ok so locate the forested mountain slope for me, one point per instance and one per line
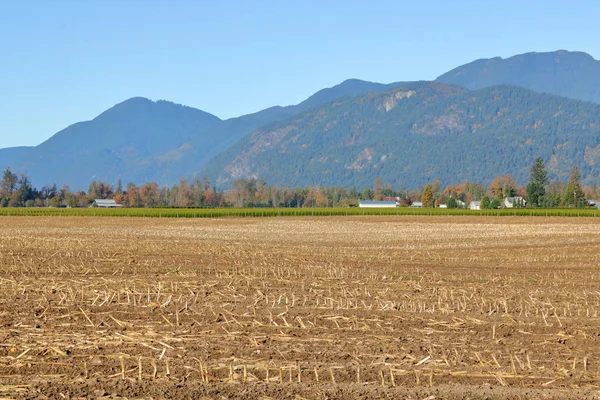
(140, 140)
(418, 132)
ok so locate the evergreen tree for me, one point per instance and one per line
(573, 195)
(538, 179)
(427, 197)
(451, 203)
(485, 203)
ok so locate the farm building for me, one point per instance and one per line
(511, 202)
(475, 205)
(376, 204)
(105, 203)
(417, 204)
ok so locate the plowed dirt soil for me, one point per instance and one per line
(288, 308)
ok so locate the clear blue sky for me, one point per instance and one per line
(65, 61)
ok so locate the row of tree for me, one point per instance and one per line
(16, 191)
(539, 192)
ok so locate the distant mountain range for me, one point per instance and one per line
(141, 141)
(569, 74)
(419, 132)
(475, 122)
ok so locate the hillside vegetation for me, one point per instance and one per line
(140, 140)
(418, 132)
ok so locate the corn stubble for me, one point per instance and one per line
(373, 305)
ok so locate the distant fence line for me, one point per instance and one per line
(290, 212)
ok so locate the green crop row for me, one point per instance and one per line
(278, 212)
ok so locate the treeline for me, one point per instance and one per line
(16, 191)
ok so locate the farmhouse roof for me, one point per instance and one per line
(106, 203)
(377, 202)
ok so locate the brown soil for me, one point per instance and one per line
(334, 307)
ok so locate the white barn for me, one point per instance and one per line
(475, 205)
(105, 203)
(377, 204)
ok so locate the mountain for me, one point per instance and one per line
(564, 73)
(348, 88)
(140, 140)
(477, 121)
(228, 132)
(418, 132)
(10, 154)
(125, 141)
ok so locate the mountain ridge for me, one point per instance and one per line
(422, 130)
(8, 155)
(140, 140)
(572, 74)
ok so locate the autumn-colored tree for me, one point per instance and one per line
(436, 189)
(472, 191)
(121, 199)
(454, 191)
(427, 197)
(509, 186)
(82, 199)
(502, 187)
(133, 196)
(149, 194)
(208, 197)
(185, 194)
(321, 199)
(495, 187)
(100, 190)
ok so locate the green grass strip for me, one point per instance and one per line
(285, 212)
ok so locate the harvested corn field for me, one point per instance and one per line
(327, 307)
